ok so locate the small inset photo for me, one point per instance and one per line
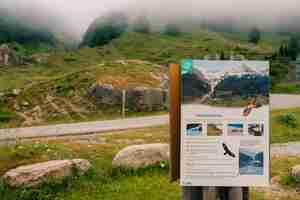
(256, 129)
(251, 161)
(235, 129)
(194, 129)
(214, 129)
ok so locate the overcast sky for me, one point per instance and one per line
(76, 15)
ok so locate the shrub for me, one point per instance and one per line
(6, 116)
(172, 30)
(288, 120)
(290, 181)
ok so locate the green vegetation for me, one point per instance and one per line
(32, 38)
(62, 94)
(290, 181)
(286, 88)
(289, 120)
(172, 30)
(283, 125)
(142, 25)
(6, 116)
(102, 181)
(283, 169)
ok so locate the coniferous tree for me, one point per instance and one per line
(254, 36)
(222, 56)
(293, 48)
(172, 30)
(281, 51)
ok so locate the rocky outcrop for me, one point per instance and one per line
(141, 156)
(146, 99)
(138, 99)
(52, 171)
(107, 94)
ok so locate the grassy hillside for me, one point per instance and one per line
(164, 49)
(61, 94)
(58, 83)
(32, 38)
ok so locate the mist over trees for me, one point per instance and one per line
(105, 29)
(172, 29)
(12, 30)
(141, 25)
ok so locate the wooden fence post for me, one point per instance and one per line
(175, 95)
(123, 103)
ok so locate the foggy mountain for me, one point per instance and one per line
(74, 17)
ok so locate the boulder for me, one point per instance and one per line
(296, 171)
(146, 99)
(107, 94)
(141, 156)
(52, 171)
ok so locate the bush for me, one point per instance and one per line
(6, 116)
(105, 29)
(254, 36)
(290, 181)
(288, 120)
(172, 30)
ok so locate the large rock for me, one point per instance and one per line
(146, 99)
(140, 156)
(107, 94)
(140, 99)
(4, 54)
(51, 171)
(296, 171)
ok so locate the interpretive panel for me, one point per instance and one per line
(225, 123)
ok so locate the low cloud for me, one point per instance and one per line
(74, 17)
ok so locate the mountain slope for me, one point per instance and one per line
(164, 49)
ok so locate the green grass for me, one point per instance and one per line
(154, 47)
(286, 88)
(69, 87)
(282, 132)
(102, 181)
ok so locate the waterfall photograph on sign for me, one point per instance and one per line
(231, 101)
(226, 84)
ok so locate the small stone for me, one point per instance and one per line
(16, 92)
(25, 103)
(296, 171)
(81, 165)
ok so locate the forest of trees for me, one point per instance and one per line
(291, 49)
(105, 29)
(11, 30)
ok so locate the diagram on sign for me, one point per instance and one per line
(225, 123)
